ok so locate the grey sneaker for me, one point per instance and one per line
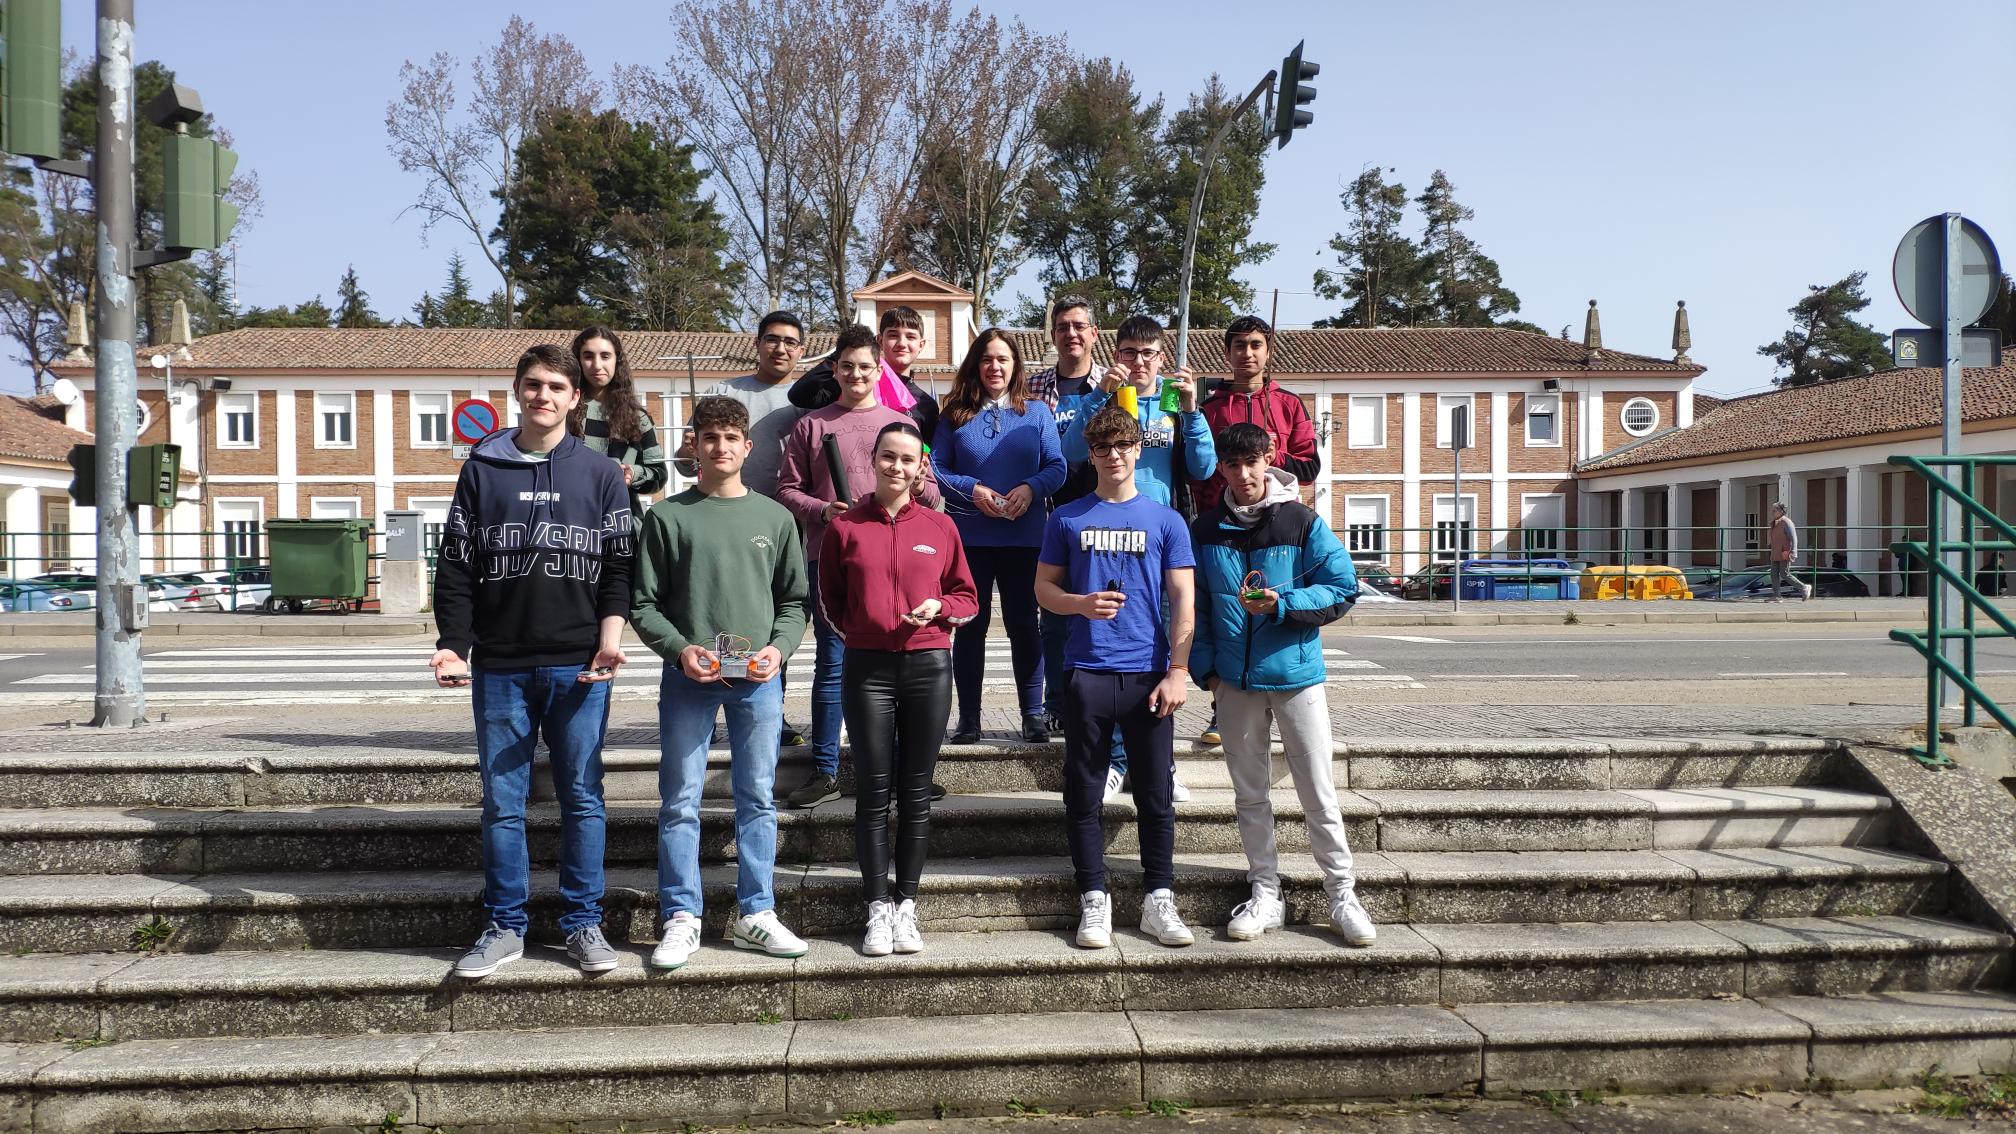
(592, 951)
(817, 790)
(497, 946)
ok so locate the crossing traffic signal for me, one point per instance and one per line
(31, 78)
(153, 473)
(1292, 94)
(84, 475)
(194, 174)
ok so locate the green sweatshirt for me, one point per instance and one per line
(709, 564)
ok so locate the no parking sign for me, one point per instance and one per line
(474, 419)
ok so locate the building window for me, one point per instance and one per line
(1455, 527)
(1365, 526)
(1639, 417)
(1367, 428)
(430, 421)
(238, 531)
(1543, 419)
(335, 418)
(1444, 404)
(55, 533)
(238, 421)
(1541, 518)
(335, 508)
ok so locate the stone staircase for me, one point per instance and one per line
(1625, 915)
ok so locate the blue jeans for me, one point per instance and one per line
(514, 708)
(828, 650)
(1054, 629)
(686, 712)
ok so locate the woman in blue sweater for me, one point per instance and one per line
(998, 460)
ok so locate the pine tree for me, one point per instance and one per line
(1467, 290)
(353, 306)
(1380, 273)
(1827, 341)
(1224, 230)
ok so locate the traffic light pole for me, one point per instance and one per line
(121, 699)
(1204, 165)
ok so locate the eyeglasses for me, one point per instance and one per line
(780, 340)
(1143, 354)
(1081, 328)
(993, 426)
(1108, 448)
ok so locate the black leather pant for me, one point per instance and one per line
(896, 705)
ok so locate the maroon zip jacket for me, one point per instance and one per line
(874, 569)
(1273, 409)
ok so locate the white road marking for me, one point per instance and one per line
(1500, 676)
(1783, 674)
(1408, 638)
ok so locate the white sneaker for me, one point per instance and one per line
(904, 932)
(1177, 792)
(1095, 920)
(676, 945)
(762, 931)
(881, 920)
(1348, 917)
(1114, 780)
(1160, 920)
(1256, 915)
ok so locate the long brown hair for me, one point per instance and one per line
(621, 406)
(969, 394)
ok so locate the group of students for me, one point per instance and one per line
(1141, 536)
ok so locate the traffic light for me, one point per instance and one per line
(1292, 94)
(152, 474)
(84, 475)
(31, 78)
(194, 174)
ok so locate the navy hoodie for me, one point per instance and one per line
(536, 553)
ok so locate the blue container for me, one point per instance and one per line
(1477, 585)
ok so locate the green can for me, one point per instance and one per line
(1172, 397)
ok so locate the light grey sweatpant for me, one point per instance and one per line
(1304, 717)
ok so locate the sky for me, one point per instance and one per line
(1726, 153)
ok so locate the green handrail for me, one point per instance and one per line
(1932, 554)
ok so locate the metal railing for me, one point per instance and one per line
(1932, 552)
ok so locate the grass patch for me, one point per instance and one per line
(1020, 1109)
(869, 1118)
(1167, 1108)
(769, 1018)
(151, 935)
(1990, 1096)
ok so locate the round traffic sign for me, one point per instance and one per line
(474, 419)
(1921, 282)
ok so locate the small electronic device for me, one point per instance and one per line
(732, 656)
(1255, 587)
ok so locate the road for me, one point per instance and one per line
(1823, 663)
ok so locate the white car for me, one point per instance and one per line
(246, 588)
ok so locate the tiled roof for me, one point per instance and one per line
(1884, 402)
(33, 428)
(1325, 351)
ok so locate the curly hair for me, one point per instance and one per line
(620, 403)
(968, 394)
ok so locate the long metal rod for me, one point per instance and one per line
(1204, 165)
(121, 698)
(1949, 430)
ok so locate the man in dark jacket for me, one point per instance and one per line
(530, 595)
(899, 336)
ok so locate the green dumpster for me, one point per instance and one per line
(318, 559)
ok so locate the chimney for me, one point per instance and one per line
(78, 337)
(178, 331)
(1592, 334)
(1682, 338)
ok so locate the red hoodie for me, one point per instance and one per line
(1273, 409)
(874, 569)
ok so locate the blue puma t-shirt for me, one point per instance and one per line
(1131, 544)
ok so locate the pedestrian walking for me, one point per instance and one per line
(1784, 537)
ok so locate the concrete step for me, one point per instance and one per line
(427, 836)
(823, 1069)
(335, 775)
(119, 997)
(94, 912)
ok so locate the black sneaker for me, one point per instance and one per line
(1053, 724)
(819, 789)
(1035, 730)
(937, 791)
(790, 737)
(968, 732)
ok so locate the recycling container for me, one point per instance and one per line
(319, 559)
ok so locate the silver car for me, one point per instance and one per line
(42, 598)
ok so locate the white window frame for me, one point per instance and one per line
(1443, 404)
(1624, 416)
(225, 536)
(1527, 502)
(929, 334)
(1374, 407)
(415, 414)
(326, 403)
(354, 505)
(1462, 520)
(1533, 400)
(228, 403)
(1379, 531)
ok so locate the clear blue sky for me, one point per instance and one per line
(1725, 153)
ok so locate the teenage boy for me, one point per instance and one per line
(719, 564)
(780, 343)
(806, 487)
(1259, 648)
(900, 338)
(1108, 562)
(1063, 387)
(1176, 448)
(530, 595)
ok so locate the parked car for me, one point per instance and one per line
(242, 588)
(23, 597)
(1370, 591)
(1429, 583)
(1755, 583)
(159, 598)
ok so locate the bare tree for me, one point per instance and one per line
(465, 153)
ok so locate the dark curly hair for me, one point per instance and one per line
(620, 403)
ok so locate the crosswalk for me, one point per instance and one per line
(393, 674)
